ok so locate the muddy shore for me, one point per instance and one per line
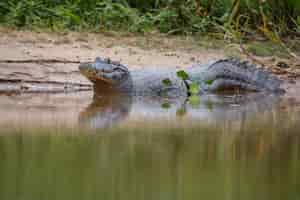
(20, 45)
(63, 109)
(134, 52)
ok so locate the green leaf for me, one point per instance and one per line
(194, 88)
(183, 75)
(209, 82)
(167, 82)
(194, 100)
(166, 105)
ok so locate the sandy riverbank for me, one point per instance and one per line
(133, 51)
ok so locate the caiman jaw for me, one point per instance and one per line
(91, 73)
(96, 77)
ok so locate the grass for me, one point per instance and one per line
(171, 17)
(212, 23)
(232, 51)
(262, 48)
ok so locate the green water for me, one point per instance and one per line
(246, 154)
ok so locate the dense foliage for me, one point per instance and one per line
(167, 16)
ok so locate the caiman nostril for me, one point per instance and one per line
(81, 67)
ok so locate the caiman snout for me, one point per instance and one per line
(104, 70)
(83, 66)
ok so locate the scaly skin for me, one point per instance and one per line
(112, 77)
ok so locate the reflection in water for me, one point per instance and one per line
(106, 111)
(42, 110)
(224, 147)
(109, 111)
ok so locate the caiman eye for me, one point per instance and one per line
(119, 70)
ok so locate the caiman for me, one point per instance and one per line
(224, 74)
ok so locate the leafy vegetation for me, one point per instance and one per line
(167, 82)
(194, 101)
(233, 18)
(209, 82)
(183, 75)
(194, 88)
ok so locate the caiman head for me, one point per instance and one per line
(106, 75)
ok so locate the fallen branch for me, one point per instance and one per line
(22, 86)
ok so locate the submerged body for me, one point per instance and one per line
(111, 77)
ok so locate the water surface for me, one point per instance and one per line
(76, 146)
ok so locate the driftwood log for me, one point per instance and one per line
(41, 75)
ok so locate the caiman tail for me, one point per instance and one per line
(233, 73)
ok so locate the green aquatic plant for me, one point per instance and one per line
(194, 101)
(183, 75)
(166, 105)
(167, 82)
(209, 82)
(193, 87)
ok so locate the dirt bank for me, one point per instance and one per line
(136, 52)
(133, 51)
